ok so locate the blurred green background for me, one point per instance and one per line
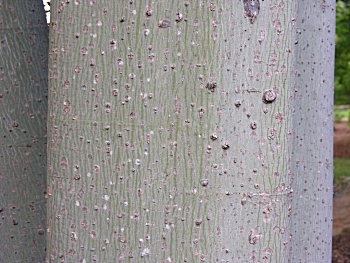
(342, 89)
(342, 54)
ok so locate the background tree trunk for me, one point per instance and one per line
(311, 142)
(190, 131)
(23, 110)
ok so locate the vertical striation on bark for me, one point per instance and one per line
(172, 132)
(23, 112)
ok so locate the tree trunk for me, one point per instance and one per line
(23, 110)
(189, 131)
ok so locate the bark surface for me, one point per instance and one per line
(23, 113)
(190, 131)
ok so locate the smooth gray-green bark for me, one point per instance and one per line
(311, 142)
(23, 111)
(190, 131)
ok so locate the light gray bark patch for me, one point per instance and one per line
(251, 9)
(164, 23)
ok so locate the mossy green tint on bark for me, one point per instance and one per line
(173, 132)
(23, 112)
